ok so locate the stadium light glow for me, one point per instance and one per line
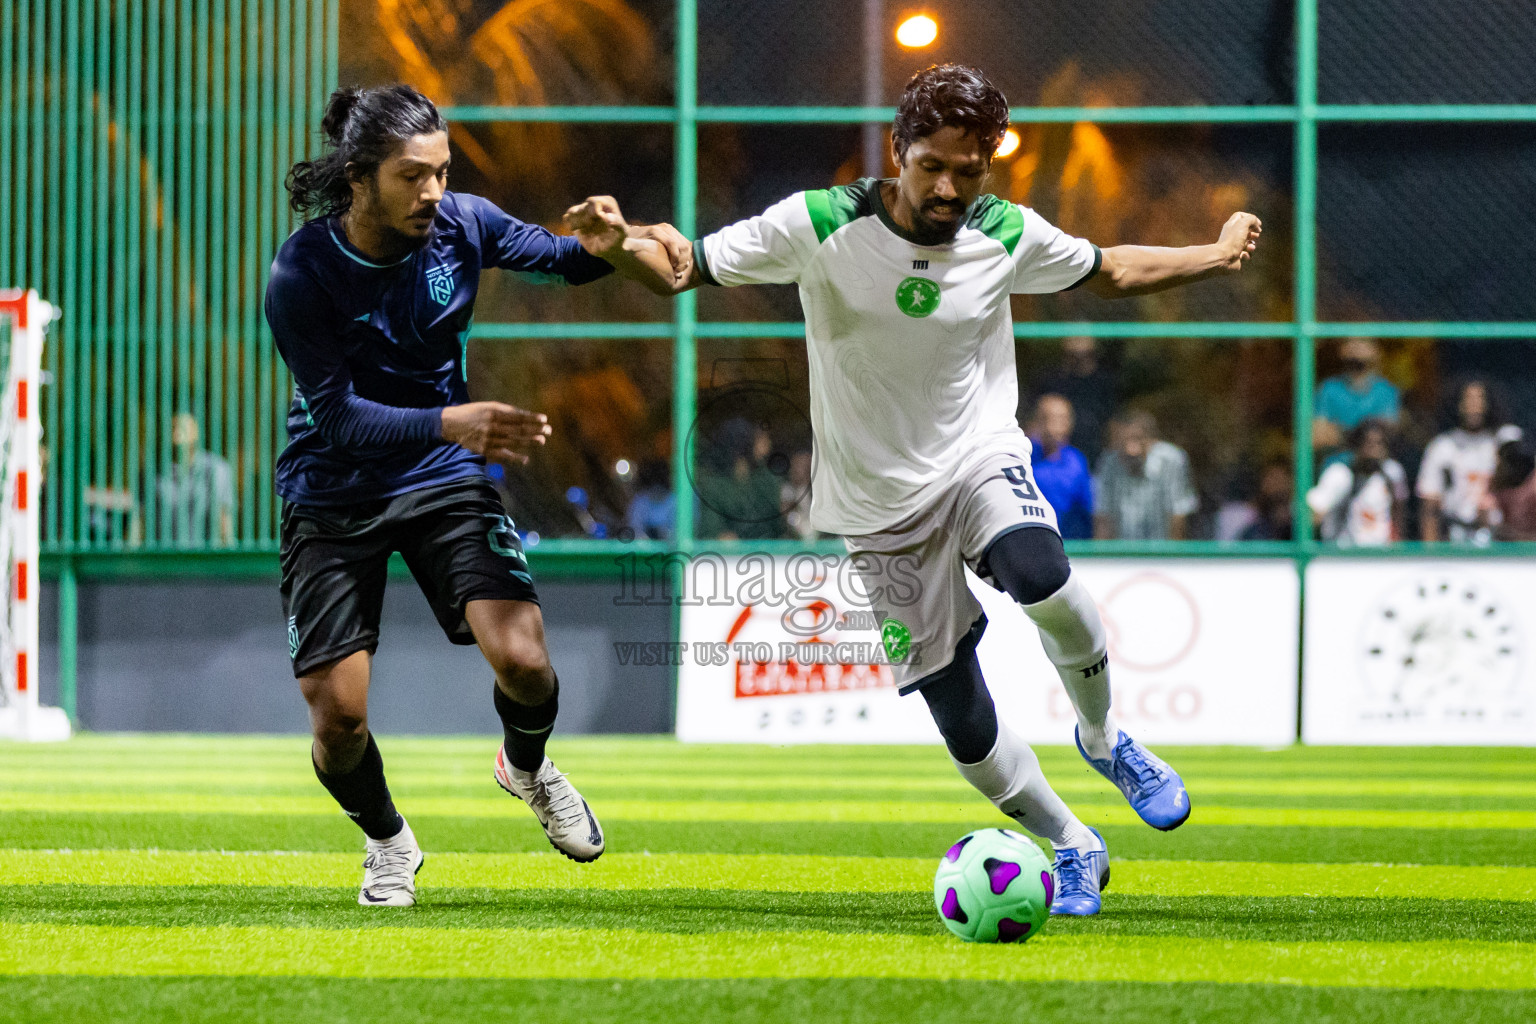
(917, 32)
(1009, 145)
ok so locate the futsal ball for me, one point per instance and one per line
(994, 885)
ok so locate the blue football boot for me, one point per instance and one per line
(1154, 790)
(1080, 877)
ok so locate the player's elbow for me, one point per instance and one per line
(1114, 278)
(341, 426)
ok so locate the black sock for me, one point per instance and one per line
(364, 795)
(962, 708)
(526, 728)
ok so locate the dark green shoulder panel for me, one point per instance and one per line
(831, 208)
(999, 219)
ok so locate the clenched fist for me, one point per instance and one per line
(598, 225)
(499, 432)
(1239, 237)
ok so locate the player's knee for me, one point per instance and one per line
(522, 669)
(338, 727)
(1029, 564)
(962, 708)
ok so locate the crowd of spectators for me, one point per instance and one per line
(1111, 472)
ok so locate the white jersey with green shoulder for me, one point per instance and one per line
(910, 346)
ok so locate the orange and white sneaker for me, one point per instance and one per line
(569, 823)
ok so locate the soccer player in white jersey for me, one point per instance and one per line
(920, 464)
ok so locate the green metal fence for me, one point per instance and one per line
(142, 148)
(1304, 115)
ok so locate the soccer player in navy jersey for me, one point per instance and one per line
(370, 303)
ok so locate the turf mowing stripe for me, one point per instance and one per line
(108, 951)
(301, 781)
(1266, 918)
(763, 873)
(664, 754)
(521, 834)
(971, 812)
(411, 795)
(856, 1001)
(808, 760)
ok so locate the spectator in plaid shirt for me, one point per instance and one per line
(1142, 489)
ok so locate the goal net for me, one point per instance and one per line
(23, 319)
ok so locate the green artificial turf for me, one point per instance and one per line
(163, 878)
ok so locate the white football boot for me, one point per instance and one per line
(389, 871)
(567, 820)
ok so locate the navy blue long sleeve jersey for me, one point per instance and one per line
(377, 350)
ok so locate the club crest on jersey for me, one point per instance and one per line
(440, 283)
(917, 296)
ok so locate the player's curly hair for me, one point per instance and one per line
(362, 128)
(950, 96)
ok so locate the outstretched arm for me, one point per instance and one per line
(656, 255)
(1141, 269)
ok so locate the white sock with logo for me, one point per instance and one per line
(1073, 637)
(1010, 777)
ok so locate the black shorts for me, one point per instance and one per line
(457, 540)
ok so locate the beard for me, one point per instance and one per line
(928, 231)
(404, 242)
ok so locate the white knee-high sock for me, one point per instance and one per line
(1010, 777)
(1073, 637)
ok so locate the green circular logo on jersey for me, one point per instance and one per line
(896, 636)
(917, 296)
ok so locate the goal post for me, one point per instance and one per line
(24, 317)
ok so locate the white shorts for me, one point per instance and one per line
(914, 573)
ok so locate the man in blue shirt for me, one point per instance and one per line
(1360, 393)
(1061, 471)
(370, 303)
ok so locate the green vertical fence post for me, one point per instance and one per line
(218, 253)
(69, 636)
(87, 453)
(132, 199)
(1304, 353)
(250, 272)
(202, 268)
(122, 408)
(65, 451)
(685, 193)
(274, 127)
(53, 269)
(685, 142)
(39, 86)
(8, 148)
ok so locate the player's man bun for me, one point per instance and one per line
(362, 127)
(337, 110)
(950, 96)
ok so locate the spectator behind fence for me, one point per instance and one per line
(738, 494)
(1513, 493)
(1273, 505)
(1091, 387)
(1061, 471)
(1458, 468)
(1356, 395)
(197, 493)
(653, 510)
(1358, 499)
(795, 497)
(1142, 490)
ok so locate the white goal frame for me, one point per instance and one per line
(27, 317)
